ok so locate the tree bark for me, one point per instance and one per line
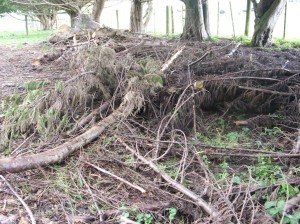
(136, 16)
(206, 16)
(73, 15)
(248, 11)
(267, 13)
(47, 21)
(195, 28)
(97, 10)
(147, 15)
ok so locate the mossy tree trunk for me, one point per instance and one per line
(97, 10)
(248, 11)
(196, 20)
(267, 13)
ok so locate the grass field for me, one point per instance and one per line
(21, 37)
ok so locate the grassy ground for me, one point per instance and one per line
(21, 37)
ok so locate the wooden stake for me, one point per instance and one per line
(285, 14)
(172, 19)
(167, 21)
(218, 19)
(26, 25)
(117, 15)
(233, 29)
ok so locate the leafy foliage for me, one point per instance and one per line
(5, 7)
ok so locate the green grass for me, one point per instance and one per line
(20, 37)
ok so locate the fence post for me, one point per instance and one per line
(232, 21)
(167, 21)
(26, 24)
(172, 19)
(117, 15)
(285, 14)
(218, 19)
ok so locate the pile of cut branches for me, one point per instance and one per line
(150, 97)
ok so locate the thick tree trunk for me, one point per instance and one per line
(194, 28)
(73, 15)
(267, 13)
(47, 21)
(136, 16)
(148, 14)
(206, 16)
(97, 10)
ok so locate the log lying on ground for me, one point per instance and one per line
(132, 100)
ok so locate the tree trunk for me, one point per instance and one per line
(97, 10)
(47, 21)
(73, 15)
(206, 16)
(194, 28)
(248, 11)
(148, 14)
(136, 17)
(267, 13)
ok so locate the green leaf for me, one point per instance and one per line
(273, 211)
(236, 180)
(280, 205)
(270, 204)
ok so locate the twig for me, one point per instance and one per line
(169, 62)
(297, 145)
(199, 59)
(234, 49)
(273, 155)
(197, 199)
(206, 53)
(100, 213)
(89, 117)
(265, 91)
(117, 177)
(20, 199)
(133, 49)
(23, 143)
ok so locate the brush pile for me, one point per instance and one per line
(157, 129)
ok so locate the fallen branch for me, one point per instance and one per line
(117, 177)
(293, 202)
(197, 199)
(131, 101)
(169, 62)
(20, 199)
(210, 152)
(88, 118)
(234, 49)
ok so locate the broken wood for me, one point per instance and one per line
(197, 199)
(142, 190)
(131, 101)
(30, 214)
